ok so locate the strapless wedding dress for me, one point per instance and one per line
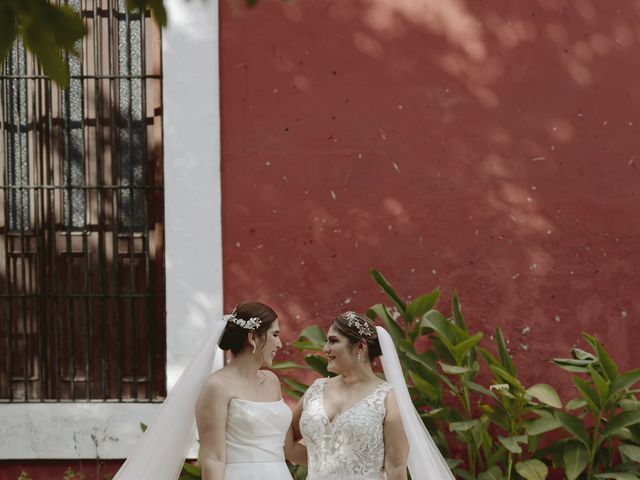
(255, 440)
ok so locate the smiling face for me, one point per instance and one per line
(270, 344)
(340, 352)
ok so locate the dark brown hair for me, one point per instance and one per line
(234, 337)
(344, 323)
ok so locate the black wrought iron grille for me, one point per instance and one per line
(81, 245)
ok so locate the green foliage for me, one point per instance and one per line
(51, 31)
(504, 428)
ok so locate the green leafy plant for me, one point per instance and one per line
(501, 429)
(51, 31)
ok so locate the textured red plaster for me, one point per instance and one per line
(491, 147)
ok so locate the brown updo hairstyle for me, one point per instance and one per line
(234, 337)
(341, 324)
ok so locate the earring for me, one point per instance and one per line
(359, 356)
(254, 350)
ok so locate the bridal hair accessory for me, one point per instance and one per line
(363, 327)
(251, 324)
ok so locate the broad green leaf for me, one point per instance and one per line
(381, 312)
(303, 345)
(630, 404)
(453, 369)
(427, 389)
(443, 328)
(479, 388)
(624, 381)
(47, 54)
(631, 451)
(545, 394)
(575, 404)
(580, 354)
(543, 425)
(315, 335)
(511, 380)
(494, 473)
(604, 359)
(318, 364)
(8, 30)
(457, 311)
(462, 426)
(590, 396)
(571, 365)
(575, 458)
(461, 349)
(192, 469)
(573, 425)
(617, 475)
(388, 289)
(532, 470)
(602, 385)
(623, 434)
(285, 365)
(423, 304)
(620, 421)
(505, 358)
(512, 443)
(295, 384)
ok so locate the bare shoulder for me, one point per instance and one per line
(216, 386)
(391, 404)
(271, 379)
(270, 376)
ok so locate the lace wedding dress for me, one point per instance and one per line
(255, 439)
(349, 447)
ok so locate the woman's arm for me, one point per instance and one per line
(295, 421)
(294, 452)
(211, 419)
(396, 447)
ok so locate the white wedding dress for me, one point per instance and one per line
(351, 446)
(255, 440)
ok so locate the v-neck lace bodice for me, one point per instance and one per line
(351, 445)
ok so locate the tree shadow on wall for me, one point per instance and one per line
(484, 146)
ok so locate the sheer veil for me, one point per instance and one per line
(163, 447)
(425, 460)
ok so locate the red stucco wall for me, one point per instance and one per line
(491, 147)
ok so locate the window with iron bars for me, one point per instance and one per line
(81, 202)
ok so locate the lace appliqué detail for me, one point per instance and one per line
(352, 445)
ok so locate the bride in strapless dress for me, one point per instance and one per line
(241, 417)
(243, 423)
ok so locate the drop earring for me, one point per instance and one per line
(254, 350)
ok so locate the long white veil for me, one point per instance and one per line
(163, 447)
(425, 460)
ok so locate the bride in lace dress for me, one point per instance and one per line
(351, 423)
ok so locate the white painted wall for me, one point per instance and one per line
(193, 250)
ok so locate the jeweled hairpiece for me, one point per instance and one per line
(251, 324)
(360, 325)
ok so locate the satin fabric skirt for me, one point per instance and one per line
(257, 471)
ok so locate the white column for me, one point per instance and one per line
(193, 250)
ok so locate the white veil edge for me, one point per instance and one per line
(425, 461)
(163, 447)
